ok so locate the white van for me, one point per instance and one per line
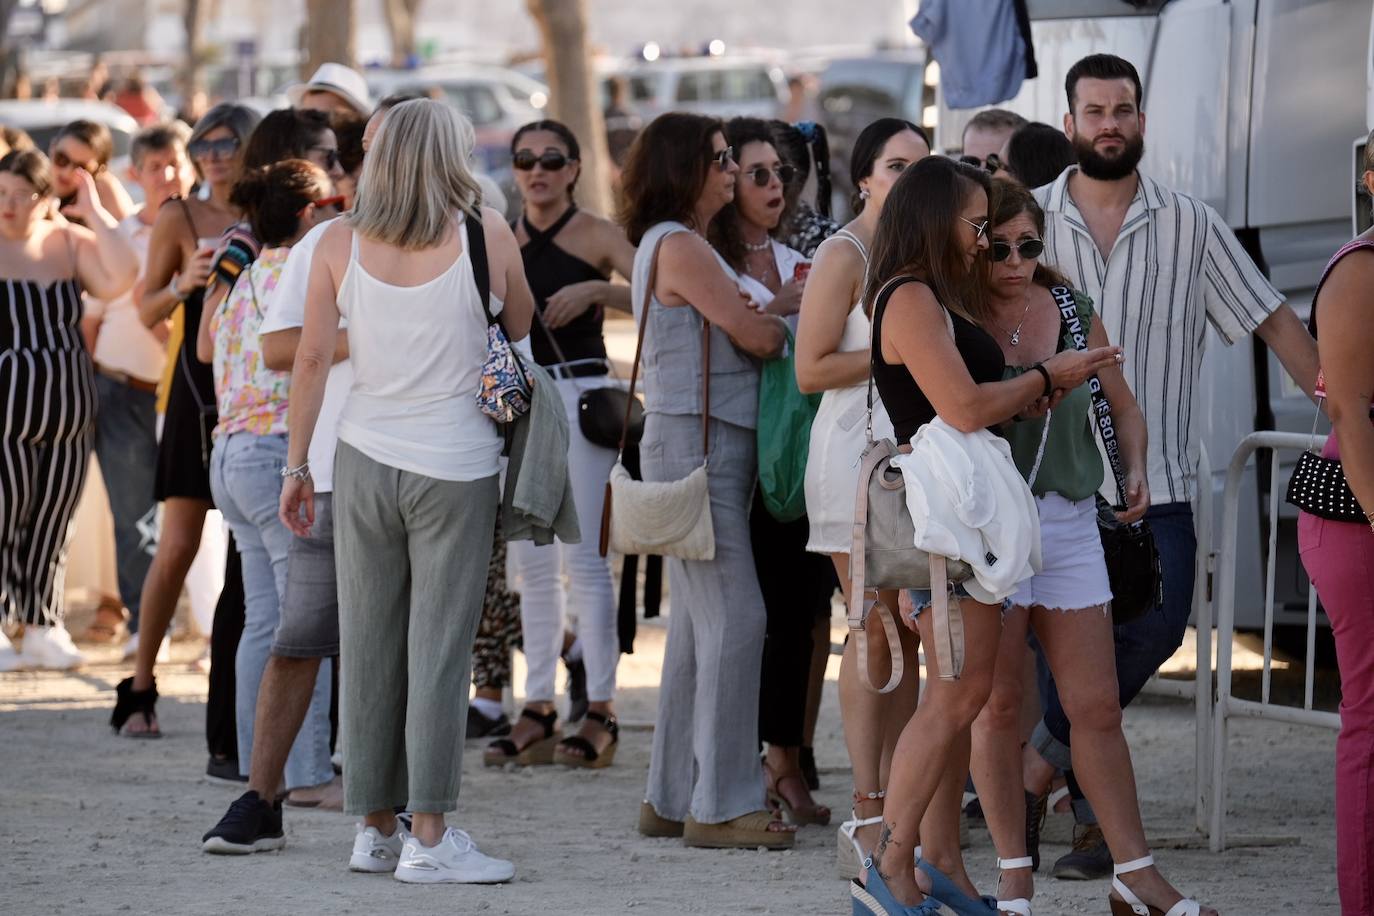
(1250, 106)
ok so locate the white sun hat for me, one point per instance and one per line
(345, 82)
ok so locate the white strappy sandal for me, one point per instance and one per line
(849, 855)
(1131, 905)
(1021, 906)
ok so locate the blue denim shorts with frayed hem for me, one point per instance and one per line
(921, 599)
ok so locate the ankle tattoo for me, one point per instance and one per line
(884, 840)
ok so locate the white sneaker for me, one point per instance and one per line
(455, 860)
(50, 647)
(9, 658)
(375, 853)
(164, 651)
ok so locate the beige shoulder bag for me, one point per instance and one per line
(883, 554)
(670, 518)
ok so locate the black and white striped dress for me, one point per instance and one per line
(47, 431)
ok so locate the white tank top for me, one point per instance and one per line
(417, 354)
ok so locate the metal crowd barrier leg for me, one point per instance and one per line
(1228, 706)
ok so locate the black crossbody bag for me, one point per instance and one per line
(1133, 566)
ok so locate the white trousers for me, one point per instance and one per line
(591, 596)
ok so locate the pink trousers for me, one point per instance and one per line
(1339, 558)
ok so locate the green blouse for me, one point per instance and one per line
(1072, 466)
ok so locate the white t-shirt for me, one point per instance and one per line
(124, 344)
(285, 309)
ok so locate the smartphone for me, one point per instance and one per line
(801, 271)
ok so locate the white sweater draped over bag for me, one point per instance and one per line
(968, 502)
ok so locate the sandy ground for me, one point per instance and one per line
(102, 825)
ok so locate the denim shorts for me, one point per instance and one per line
(921, 599)
(309, 623)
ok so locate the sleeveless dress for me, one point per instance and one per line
(837, 441)
(183, 452)
(46, 437)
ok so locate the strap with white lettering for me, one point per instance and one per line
(1102, 409)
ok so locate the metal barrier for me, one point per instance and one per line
(1228, 706)
(1199, 689)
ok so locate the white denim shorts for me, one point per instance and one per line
(1073, 573)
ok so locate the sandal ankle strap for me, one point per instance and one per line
(1022, 862)
(610, 723)
(548, 720)
(1125, 868)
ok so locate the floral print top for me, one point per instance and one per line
(251, 398)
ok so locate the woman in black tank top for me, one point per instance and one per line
(926, 278)
(180, 258)
(569, 255)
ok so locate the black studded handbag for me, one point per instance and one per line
(1318, 485)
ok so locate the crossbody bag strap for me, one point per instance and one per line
(477, 254)
(1102, 409)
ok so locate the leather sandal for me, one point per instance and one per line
(536, 753)
(589, 758)
(1128, 904)
(1020, 906)
(798, 815)
(130, 702)
(748, 831)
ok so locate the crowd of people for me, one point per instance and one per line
(317, 324)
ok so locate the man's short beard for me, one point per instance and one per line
(1108, 168)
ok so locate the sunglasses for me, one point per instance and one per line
(993, 163)
(549, 161)
(762, 174)
(723, 159)
(222, 148)
(336, 201)
(331, 156)
(62, 161)
(1028, 249)
(979, 229)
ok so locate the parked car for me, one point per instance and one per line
(495, 99)
(724, 87)
(41, 120)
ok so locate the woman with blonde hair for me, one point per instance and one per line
(415, 479)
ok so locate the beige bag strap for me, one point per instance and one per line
(860, 605)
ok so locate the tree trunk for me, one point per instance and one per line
(400, 22)
(574, 97)
(330, 27)
(11, 58)
(192, 75)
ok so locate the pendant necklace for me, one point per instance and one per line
(1016, 335)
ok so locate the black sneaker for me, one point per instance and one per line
(250, 825)
(479, 726)
(1089, 859)
(1035, 820)
(224, 768)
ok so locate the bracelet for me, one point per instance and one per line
(1049, 382)
(299, 472)
(177, 294)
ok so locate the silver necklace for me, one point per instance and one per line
(1015, 337)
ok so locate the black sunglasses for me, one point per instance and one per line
(62, 161)
(761, 174)
(331, 156)
(993, 163)
(549, 161)
(222, 148)
(1029, 249)
(723, 158)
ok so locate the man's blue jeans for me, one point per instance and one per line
(126, 447)
(1141, 645)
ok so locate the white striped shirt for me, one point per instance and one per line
(1175, 266)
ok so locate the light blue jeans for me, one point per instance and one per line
(245, 479)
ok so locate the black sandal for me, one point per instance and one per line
(590, 758)
(537, 752)
(129, 702)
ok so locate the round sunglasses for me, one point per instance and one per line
(1028, 249)
(549, 161)
(62, 161)
(762, 174)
